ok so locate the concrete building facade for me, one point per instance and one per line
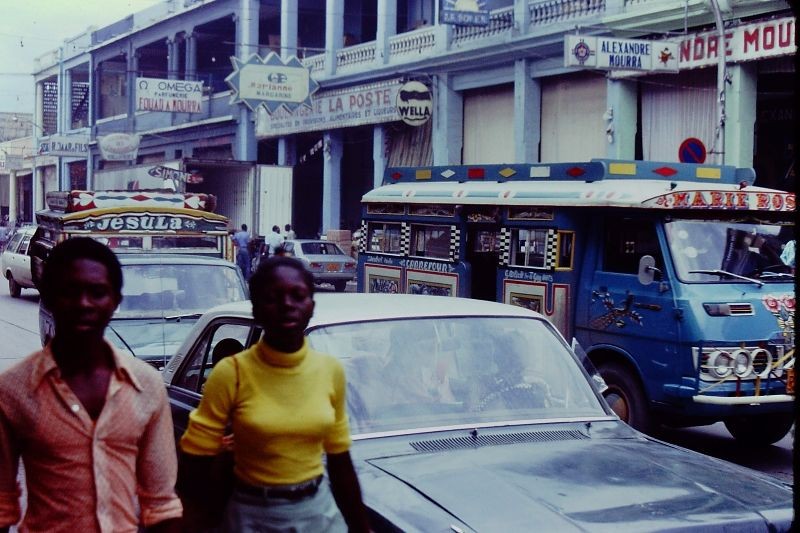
(500, 93)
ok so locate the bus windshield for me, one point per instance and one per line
(726, 251)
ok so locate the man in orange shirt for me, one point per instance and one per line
(92, 425)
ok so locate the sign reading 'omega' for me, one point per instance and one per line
(414, 103)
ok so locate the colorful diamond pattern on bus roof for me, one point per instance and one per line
(83, 200)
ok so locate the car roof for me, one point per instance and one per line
(171, 259)
(339, 308)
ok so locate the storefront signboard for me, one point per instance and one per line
(175, 96)
(414, 103)
(464, 13)
(271, 82)
(64, 145)
(357, 106)
(11, 161)
(757, 40)
(119, 146)
(608, 53)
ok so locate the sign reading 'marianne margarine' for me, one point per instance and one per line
(357, 106)
(271, 82)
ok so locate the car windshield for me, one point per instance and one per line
(170, 290)
(149, 338)
(705, 251)
(435, 372)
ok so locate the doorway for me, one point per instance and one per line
(483, 256)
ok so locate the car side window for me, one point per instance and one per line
(23, 247)
(217, 342)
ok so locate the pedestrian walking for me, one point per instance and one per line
(274, 240)
(92, 426)
(280, 484)
(288, 233)
(241, 239)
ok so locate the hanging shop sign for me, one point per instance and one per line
(64, 145)
(11, 161)
(271, 82)
(748, 42)
(173, 174)
(175, 96)
(464, 13)
(414, 103)
(342, 108)
(608, 53)
(118, 146)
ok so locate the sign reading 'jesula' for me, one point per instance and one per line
(141, 222)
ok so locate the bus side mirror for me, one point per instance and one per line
(648, 270)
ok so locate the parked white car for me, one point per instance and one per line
(16, 263)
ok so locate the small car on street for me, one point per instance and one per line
(469, 415)
(163, 295)
(325, 260)
(15, 262)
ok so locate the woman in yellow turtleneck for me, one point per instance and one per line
(286, 403)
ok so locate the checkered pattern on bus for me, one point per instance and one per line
(405, 238)
(455, 243)
(505, 246)
(362, 240)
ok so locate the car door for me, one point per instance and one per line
(186, 387)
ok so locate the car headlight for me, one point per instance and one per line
(720, 364)
(742, 362)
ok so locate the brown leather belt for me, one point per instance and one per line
(287, 492)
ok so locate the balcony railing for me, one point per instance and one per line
(562, 10)
(500, 22)
(412, 43)
(356, 55)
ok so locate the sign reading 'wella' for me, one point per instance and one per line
(414, 103)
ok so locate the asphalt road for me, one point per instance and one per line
(20, 336)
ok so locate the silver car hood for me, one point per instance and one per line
(591, 485)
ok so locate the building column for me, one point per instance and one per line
(288, 28)
(65, 107)
(387, 27)
(172, 58)
(448, 122)
(133, 71)
(621, 96)
(740, 113)
(245, 148)
(331, 180)
(334, 33)
(191, 55)
(38, 189)
(287, 151)
(527, 113)
(379, 155)
(522, 17)
(13, 201)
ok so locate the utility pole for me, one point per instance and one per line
(722, 78)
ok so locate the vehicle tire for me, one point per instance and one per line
(340, 286)
(626, 397)
(760, 430)
(14, 288)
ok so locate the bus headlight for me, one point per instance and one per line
(720, 364)
(762, 362)
(742, 363)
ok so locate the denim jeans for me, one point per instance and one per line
(247, 513)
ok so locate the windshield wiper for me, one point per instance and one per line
(718, 272)
(770, 274)
(127, 346)
(187, 315)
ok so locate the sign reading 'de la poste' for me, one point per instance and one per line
(620, 54)
(357, 106)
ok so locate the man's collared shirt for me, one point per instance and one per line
(84, 475)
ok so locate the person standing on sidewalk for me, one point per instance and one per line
(241, 239)
(91, 425)
(274, 240)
